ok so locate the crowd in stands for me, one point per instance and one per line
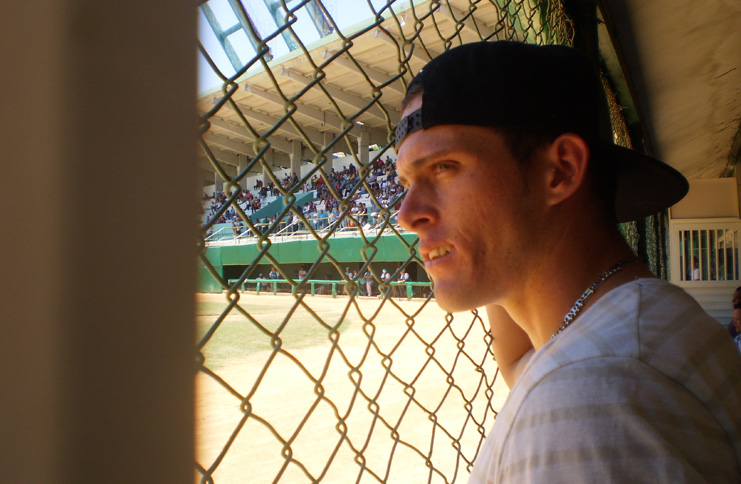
(325, 209)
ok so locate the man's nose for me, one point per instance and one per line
(417, 208)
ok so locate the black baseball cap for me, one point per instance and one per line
(550, 89)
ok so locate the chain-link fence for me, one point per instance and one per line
(366, 383)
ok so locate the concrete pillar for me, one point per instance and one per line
(269, 155)
(218, 183)
(328, 137)
(363, 143)
(231, 172)
(242, 161)
(98, 306)
(296, 149)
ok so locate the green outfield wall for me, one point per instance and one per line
(389, 252)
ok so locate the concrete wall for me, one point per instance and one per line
(98, 254)
(709, 198)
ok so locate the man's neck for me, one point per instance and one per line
(570, 267)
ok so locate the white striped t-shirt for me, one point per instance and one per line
(643, 387)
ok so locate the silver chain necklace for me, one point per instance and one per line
(579, 304)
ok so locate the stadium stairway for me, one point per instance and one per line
(277, 206)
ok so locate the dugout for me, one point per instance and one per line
(233, 262)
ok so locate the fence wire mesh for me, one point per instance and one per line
(374, 384)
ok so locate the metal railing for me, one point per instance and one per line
(705, 251)
(315, 285)
(242, 234)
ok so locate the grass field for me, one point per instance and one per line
(238, 335)
(343, 412)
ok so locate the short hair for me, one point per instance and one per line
(415, 89)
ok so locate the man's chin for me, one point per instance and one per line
(452, 302)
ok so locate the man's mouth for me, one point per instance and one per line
(439, 252)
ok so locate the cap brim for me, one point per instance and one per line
(645, 185)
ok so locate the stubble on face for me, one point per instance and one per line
(478, 207)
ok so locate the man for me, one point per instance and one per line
(695, 269)
(402, 287)
(385, 277)
(351, 286)
(514, 188)
(368, 278)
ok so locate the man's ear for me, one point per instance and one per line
(567, 159)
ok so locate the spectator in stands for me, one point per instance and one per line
(336, 216)
(301, 273)
(321, 219)
(295, 224)
(362, 214)
(343, 181)
(236, 228)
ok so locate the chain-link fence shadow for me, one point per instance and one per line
(342, 370)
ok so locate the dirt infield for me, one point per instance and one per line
(387, 348)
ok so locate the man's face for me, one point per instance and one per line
(468, 200)
(736, 298)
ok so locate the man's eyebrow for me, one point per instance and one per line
(418, 162)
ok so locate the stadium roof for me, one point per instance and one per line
(676, 67)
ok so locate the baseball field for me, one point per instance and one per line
(340, 390)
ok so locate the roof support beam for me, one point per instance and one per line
(373, 74)
(223, 157)
(326, 119)
(316, 137)
(230, 144)
(354, 101)
(232, 159)
(239, 146)
(309, 111)
(286, 127)
(456, 15)
(394, 41)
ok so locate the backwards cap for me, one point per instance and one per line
(549, 89)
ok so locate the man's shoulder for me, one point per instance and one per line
(602, 414)
(651, 335)
(643, 310)
(651, 322)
